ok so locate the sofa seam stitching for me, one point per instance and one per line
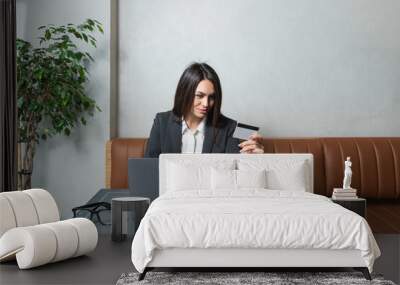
(361, 169)
(34, 206)
(13, 210)
(377, 168)
(395, 167)
(77, 233)
(55, 236)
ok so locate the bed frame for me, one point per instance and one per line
(242, 259)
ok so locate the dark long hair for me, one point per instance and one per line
(185, 91)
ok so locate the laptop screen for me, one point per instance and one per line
(143, 177)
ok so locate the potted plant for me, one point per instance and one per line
(51, 80)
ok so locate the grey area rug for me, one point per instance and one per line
(228, 278)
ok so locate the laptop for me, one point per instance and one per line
(143, 177)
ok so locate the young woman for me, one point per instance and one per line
(195, 124)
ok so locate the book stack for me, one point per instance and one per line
(344, 194)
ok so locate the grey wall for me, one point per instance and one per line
(72, 168)
(294, 68)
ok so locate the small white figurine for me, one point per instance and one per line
(347, 174)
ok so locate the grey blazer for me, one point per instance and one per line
(166, 136)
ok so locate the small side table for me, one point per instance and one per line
(357, 205)
(119, 208)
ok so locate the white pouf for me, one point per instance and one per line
(31, 232)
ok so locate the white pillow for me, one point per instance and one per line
(288, 179)
(282, 174)
(235, 179)
(251, 178)
(223, 179)
(185, 175)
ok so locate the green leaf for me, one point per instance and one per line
(20, 102)
(38, 74)
(79, 56)
(82, 74)
(78, 35)
(47, 35)
(67, 131)
(89, 56)
(85, 37)
(65, 38)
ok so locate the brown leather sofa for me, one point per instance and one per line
(376, 169)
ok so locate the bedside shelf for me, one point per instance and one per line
(357, 205)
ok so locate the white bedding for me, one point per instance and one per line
(251, 218)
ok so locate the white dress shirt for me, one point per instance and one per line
(192, 141)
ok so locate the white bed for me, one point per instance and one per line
(225, 218)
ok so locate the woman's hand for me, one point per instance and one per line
(252, 145)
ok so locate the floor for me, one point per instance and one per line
(103, 266)
(388, 263)
(111, 259)
(384, 217)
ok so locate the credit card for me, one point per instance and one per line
(244, 132)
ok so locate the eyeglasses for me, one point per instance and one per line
(94, 209)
